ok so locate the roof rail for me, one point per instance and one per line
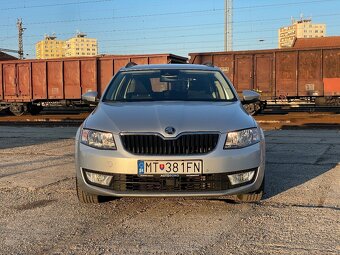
(208, 64)
(130, 64)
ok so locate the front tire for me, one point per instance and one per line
(252, 197)
(85, 197)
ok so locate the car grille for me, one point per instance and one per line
(206, 182)
(185, 144)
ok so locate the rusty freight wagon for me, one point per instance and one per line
(28, 85)
(285, 74)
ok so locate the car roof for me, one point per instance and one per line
(170, 66)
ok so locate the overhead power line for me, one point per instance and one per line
(165, 27)
(139, 36)
(285, 4)
(182, 27)
(53, 5)
(24, 6)
(214, 47)
(179, 36)
(164, 14)
(169, 43)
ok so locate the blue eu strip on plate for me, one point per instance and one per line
(140, 164)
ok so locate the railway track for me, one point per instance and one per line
(299, 120)
(306, 108)
(268, 120)
(56, 116)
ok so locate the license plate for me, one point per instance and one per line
(169, 167)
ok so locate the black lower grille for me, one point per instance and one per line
(206, 182)
(186, 144)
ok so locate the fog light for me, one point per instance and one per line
(101, 179)
(241, 177)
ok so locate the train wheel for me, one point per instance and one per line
(252, 108)
(249, 108)
(18, 109)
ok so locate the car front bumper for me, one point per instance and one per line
(119, 162)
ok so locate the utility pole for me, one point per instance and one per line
(228, 25)
(20, 41)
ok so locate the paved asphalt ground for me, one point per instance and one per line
(40, 214)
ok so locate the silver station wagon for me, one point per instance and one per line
(166, 131)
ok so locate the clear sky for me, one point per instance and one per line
(160, 26)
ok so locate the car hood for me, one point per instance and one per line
(156, 116)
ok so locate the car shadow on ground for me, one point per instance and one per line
(282, 177)
(294, 160)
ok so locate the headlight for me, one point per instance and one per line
(242, 138)
(98, 139)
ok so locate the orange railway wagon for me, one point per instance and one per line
(28, 85)
(284, 74)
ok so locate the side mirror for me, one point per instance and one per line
(250, 96)
(90, 97)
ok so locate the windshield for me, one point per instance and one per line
(173, 85)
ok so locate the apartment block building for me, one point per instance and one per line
(78, 46)
(50, 47)
(303, 28)
(81, 46)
